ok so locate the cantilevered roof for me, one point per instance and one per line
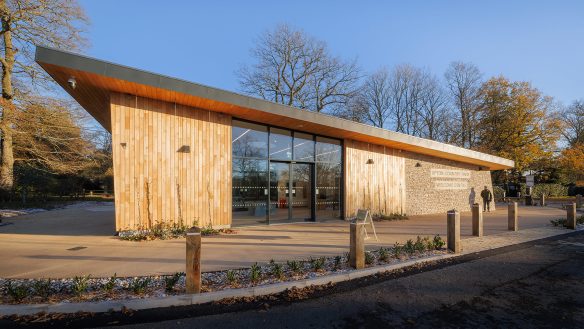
(96, 80)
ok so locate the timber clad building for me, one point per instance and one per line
(185, 152)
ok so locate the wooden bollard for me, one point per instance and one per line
(357, 248)
(477, 220)
(453, 231)
(542, 200)
(579, 201)
(512, 222)
(193, 272)
(571, 215)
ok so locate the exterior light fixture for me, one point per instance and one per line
(418, 164)
(370, 161)
(123, 145)
(480, 168)
(72, 82)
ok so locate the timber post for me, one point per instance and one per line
(193, 270)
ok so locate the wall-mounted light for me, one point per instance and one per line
(123, 145)
(370, 161)
(184, 149)
(418, 164)
(480, 168)
(72, 82)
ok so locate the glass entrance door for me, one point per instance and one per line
(291, 192)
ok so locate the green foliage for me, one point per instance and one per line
(171, 281)
(295, 266)
(168, 230)
(409, 247)
(390, 217)
(317, 264)
(277, 270)
(16, 291)
(139, 285)
(338, 261)
(231, 276)
(110, 284)
(80, 284)
(369, 258)
(559, 222)
(397, 250)
(549, 190)
(42, 287)
(255, 273)
(383, 254)
(438, 242)
(498, 192)
(420, 245)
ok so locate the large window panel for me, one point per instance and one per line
(328, 150)
(328, 190)
(250, 191)
(280, 144)
(249, 140)
(303, 147)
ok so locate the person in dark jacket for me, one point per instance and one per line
(487, 198)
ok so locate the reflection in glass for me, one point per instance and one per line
(302, 192)
(279, 191)
(328, 190)
(249, 140)
(250, 189)
(328, 150)
(303, 147)
(280, 144)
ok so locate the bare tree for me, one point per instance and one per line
(26, 23)
(376, 96)
(464, 82)
(573, 119)
(433, 110)
(406, 89)
(295, 69)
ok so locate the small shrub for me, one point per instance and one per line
(277, 270)
(397, 250)
(338, 261)
(347, 257)
(383, 254)
(80, 284)
(429, 243)
(171, 281)
(231, 277)
(16, 291)
(369, 258)
(139, 285)
(317, 264)
(110, 284)
(419, 245)
(255, 273)
(295, 266)
(559, 222)
(409, 247)
(438, 242)
(42, 287)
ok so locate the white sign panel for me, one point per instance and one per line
(450, 185)
(529, 180)
(448, 173)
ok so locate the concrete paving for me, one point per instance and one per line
(79, 241)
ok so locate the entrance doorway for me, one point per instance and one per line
(291, 192)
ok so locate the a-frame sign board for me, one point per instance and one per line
(364, 216)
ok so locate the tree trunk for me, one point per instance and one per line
(7, 158)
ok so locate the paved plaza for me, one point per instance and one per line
(79, 241)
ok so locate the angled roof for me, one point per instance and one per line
(96, 79)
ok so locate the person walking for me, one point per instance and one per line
(487, 198)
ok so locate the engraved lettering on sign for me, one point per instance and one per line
(447, 173)
(450, 185)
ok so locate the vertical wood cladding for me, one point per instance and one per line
(172, 163)
(379, 186)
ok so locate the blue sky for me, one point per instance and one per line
(206, 42)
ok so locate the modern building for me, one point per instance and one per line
(183, 152)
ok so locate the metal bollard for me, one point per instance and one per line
(512, 221)
(477, 220)
(453, 231)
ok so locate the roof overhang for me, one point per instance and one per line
(96, 80)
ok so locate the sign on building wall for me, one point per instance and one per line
(449, 173)
(450, 185)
